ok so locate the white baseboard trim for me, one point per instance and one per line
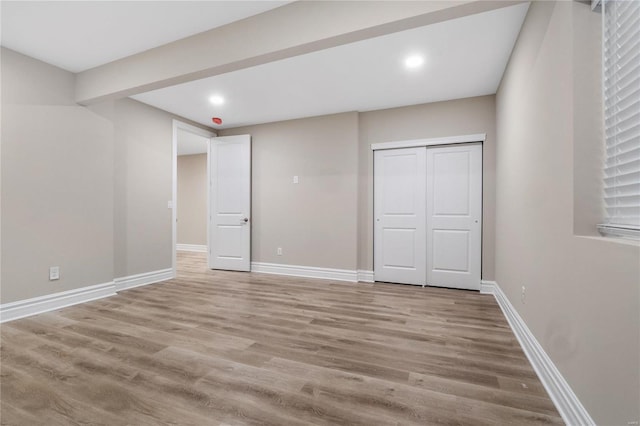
(51, 302)
(305, 271)
(565, 400)
(486, 287)
(200, 248)
(365, 276)
(146, 278)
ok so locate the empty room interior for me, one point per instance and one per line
(320, 212)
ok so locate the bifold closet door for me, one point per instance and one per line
(454, 216)
(400, 215)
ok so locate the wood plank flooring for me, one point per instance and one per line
(225, 348)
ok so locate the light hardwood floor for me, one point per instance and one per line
(225, 348)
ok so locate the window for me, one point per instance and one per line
(621, 81)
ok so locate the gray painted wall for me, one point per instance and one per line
(192, 199)
(316, 145)
(583, 293)
(85, 189)
(57, 183)
(143, 178)
(588, 152)
(314, 221)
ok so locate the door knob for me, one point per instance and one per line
(245, 220)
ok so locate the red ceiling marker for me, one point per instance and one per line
(217, 120)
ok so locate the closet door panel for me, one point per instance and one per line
(400, 215)
(454, 216)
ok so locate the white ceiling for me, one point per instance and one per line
(190, 143)
(78, 35)
(464, 57)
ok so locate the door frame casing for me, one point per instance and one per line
(416, 143)
(427, 142)
(177, 124)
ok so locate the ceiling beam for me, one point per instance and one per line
(291, 30)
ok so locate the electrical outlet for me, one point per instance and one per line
(523, 294)
(279, 251)
(54, 273)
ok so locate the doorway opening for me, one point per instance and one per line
(190, 192)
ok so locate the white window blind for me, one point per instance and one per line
(621, 61)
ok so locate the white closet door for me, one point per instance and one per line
(454, 216)
(400, 215)
(230, 240)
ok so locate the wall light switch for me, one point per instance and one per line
(169, 204)
(295, 179)
(54, 273)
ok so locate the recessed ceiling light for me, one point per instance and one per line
(216, 100)
(414, 61)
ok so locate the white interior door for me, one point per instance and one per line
(454, 216)
(230, 196)
(400, 215)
